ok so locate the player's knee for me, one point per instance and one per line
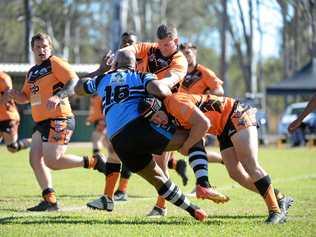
(125, 172)
(52, 163)
(112, 168)
(13, 147)
(234, 175)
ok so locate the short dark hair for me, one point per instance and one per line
(41, 36)
(164, 31)
(127, 33)
(187, 45)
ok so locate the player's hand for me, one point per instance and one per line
(4, 98)
(53, 102)
(159, 117)
(294, 125)
(13, 93)
(106, 62)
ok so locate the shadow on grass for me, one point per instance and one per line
(88, 220)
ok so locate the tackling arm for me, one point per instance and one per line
(200, 125)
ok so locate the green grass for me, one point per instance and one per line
(292, 170)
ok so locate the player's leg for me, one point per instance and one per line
(121, 192)
(97, 141)
(180, 166)
(236, 170)
(199, 163)
(56, 136)
(214, 157)
(160, 206)
(43, 176)
(246, 147)
(10, 137)
(112, 174)
(169, 190)
(97, 137)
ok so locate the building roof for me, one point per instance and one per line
(301, 82)
(20, 69)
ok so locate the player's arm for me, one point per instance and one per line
(219, 91)
(104, 66)
(172, 79)
(214, 84)
(18, 96)
(85, 86)
(200, 125)
(68, 89)
(178, 69)
(311, 106)
(158, 89)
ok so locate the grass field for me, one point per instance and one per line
(292, 170)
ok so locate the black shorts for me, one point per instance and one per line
(9, 126)
(57, 131)
(138, 140)
(242, 116)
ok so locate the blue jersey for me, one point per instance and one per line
(121, 93)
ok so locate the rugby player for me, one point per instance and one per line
(47, 87)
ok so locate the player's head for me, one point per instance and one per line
(127, 39)
(42, 46)
(124, 59)
(167, 38)
(189, 50)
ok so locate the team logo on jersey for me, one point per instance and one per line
(34, 88)
(117, 78)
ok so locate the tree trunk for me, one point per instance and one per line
(119, 21)
(28, 31)
(285, 50)
(312, 4)
(223, 62)
(136, 17)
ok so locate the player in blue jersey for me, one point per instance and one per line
(123, 91)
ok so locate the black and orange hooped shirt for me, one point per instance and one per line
(8, 111)
(216, 109)
(150, 59)
(43, 81)
(200, 80)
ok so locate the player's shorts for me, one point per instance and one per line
(9, 126)
(138, 140)
(242, 116)
(56, 131)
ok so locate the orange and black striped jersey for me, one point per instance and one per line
(8, 111)
(200, 80)
(150, 59)
(217, 109)
(95, 111)
(42, 82)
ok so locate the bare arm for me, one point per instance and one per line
(311, 106)
(158, 89)
(218, 91)
(104, 66)
(79, 87)
(173, 79)
(18, 96)
(200, 125)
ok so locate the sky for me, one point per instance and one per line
(271, 21)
